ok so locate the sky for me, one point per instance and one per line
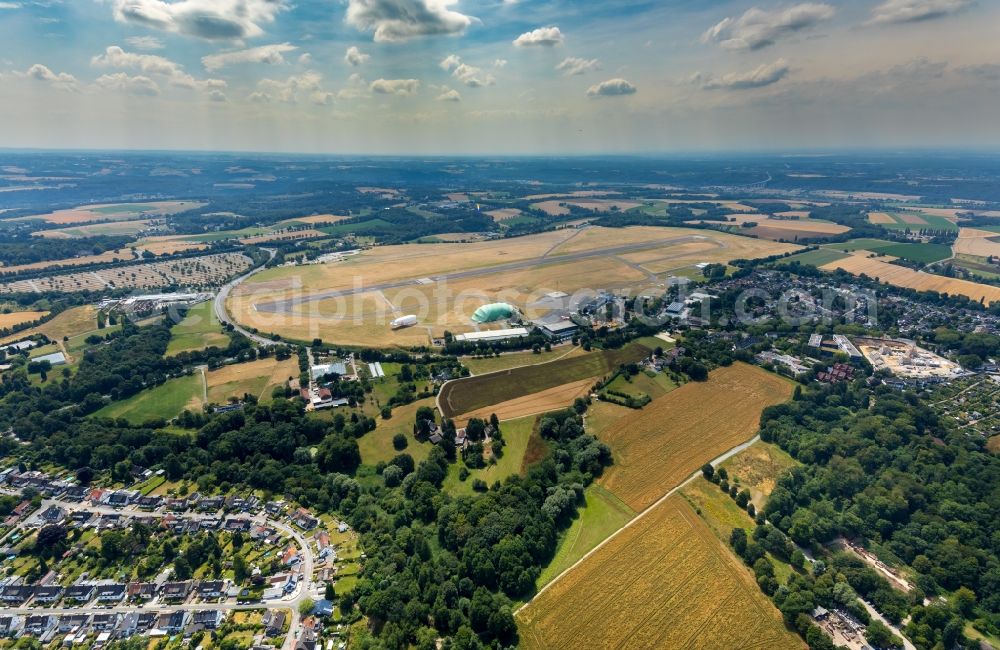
(499, 77)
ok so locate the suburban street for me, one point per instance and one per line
(305, 588)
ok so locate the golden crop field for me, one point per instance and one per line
(283, 235)
(656, 448)
(982, 243)
(860, 263)
(880, 218)
(315, 219)
(502, 214)
(571, 195)
(18, 317)
(541, 402)
(114, 212)
(169, 246)
(123, 255)
(796, 226)
(363, 318)
(71, 322)
(258, 378)
(912, 219)
(665, 581)
(558, 207)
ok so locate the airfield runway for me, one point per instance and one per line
(289, 305)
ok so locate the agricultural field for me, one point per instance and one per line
(113, 212)
(665, 581)
(912, 220)
(502, 214)
(258, 378)
(200, 329)
(654, 386)
(657, 447)
(793, 228)
(165, 401)
(516, 434)
(314, 220)
(481, 366)
(818, 257)
(196, 272)
(123, 255)
(550, 399)
(900, 276)
(10, 319)
(71, 322)
(386, 281)
(558, 208)
(97, 229)
(601, 516)
(912, 251)
(982, 243)
(474, 393)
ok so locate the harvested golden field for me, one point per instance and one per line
(73, 321)
(982, 243)
(502, 214)
(534, 404)
(659, 446)
(258, 378)
(18, 317)
(664, 581)
(860, 263)
(758, 468)
(880, 218)
(575, 194)
(113, 228)
(123, 255)
(168, 246)
(912, 219)
(288, 235)
(793, 214)
(794, 224)
(556, 207)
(114, 212)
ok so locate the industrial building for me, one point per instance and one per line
(494, 335)
(493, 312)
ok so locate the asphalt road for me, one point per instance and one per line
(220, 305)
(284, 306)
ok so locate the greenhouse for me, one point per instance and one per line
(493, 312)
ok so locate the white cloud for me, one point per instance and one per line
(294, 89)
(217, 96)
(116, 57)
(10, 5)
(39, 72)
(145, 42)
(400, 87)
(357, 88)
(400, 20)
(355, 57)
(208, 19)
(611, 88)
(305, 59)
(541, 37)
(122, 82)
(449, 95)
(758, 28)
(270, 54)
(763, 75)
(911, 11)
(469, 75)
(572, 65)
(500, 63)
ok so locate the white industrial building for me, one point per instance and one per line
(493, 335)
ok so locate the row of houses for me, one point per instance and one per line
(16, 595)
(76, 628)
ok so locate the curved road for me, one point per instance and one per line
(223, 294)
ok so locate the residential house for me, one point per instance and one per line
(171, 622)
(149, 502)
(128, 625)
(238, 525)
(304, 519)
(274, 622)
(10, 626)
(207, 619)
(211, 504)
(38, 624)
(145, 621)
(291, 556)
(72, 622)
(141, 591)
(104, 622)
(53, 515)
(80, 593)
(16, 594)
(211, 589)
(48, 594)
(175, 590)
(110, 593)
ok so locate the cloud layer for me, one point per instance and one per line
(572, 65)
(271, 54)
(911, 11)
(763, 75)
(758, 28)
(399, 87)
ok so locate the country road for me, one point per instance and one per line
(223, 294)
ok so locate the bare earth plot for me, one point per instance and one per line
(659, 446)
(860, 263)
(664, 582)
